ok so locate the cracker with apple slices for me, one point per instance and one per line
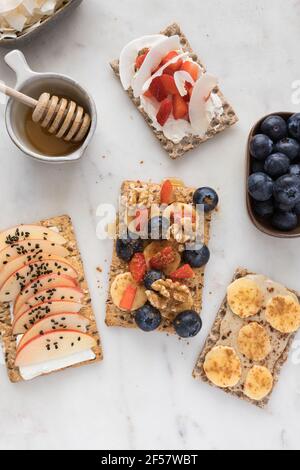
(224, 333)
(152, 191)
(64, 225)
(218, 124)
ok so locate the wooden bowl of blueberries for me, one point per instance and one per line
(273, 175)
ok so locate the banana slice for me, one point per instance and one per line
(244, 297)
(283, 314)
(223, 367)
(154, 248)
(254, 342)
(119, 285)
(259, 383)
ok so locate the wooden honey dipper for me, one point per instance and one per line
(59, 116)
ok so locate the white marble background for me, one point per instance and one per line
(143, 395)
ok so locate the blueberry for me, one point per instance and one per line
(260, 186)
(207, 197)
(147, 318)
(198, 257)
(261, 147)
(126, 248)
(257, 166)
(277, 164)
(294, 126)
(295, 169)
(287, 190)
(297, 208)
(289, 147)
(274, 127)
(187, 324)
(152, 276)
(263, 208)
(284, 220)
(158, 227)
(284, 207)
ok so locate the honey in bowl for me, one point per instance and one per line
(45, 143)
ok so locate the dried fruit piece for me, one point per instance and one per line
(128, 297)
(157, 246)
(167, 192)
(185, 272)
(163, 258)
(137, 267)
(164, 111)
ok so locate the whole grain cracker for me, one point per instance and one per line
(64, 224)
(218, 124)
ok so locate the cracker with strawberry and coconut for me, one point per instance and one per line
(46, 318)
(159, 257)
(166, 81)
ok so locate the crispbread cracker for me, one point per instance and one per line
(64, 224)
(214, 337)
(115, 316)
(228, 118)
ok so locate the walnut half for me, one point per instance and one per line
(170, 297)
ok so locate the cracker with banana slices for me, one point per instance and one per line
(219, 123)
(62, 225)
(138, 192)
(251, 338)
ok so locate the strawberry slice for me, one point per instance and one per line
(140, 59)
(128, 297)
(164, 111)
(189, 88)
(180, 107)
(167, 193)
(157, 89)
(168, 57)
(185, 272)
(138, 267)
(192, 68)
(163, 258)
(141, 218)
(169, 84)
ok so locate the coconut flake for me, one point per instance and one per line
(161, 70)
(129, 54)
(180, 78)
(152, 61)
(9, 5)
(199, 117)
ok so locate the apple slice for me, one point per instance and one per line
(41, 283)
(57, 321)
(33, 249)
(29, 232)
(24, 322)
(20, 278)
(53, 345)
(50, 294)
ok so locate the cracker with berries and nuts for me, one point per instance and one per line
(251, 338)
(167, 82)
(152, 282)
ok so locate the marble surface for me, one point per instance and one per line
(143, 395)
